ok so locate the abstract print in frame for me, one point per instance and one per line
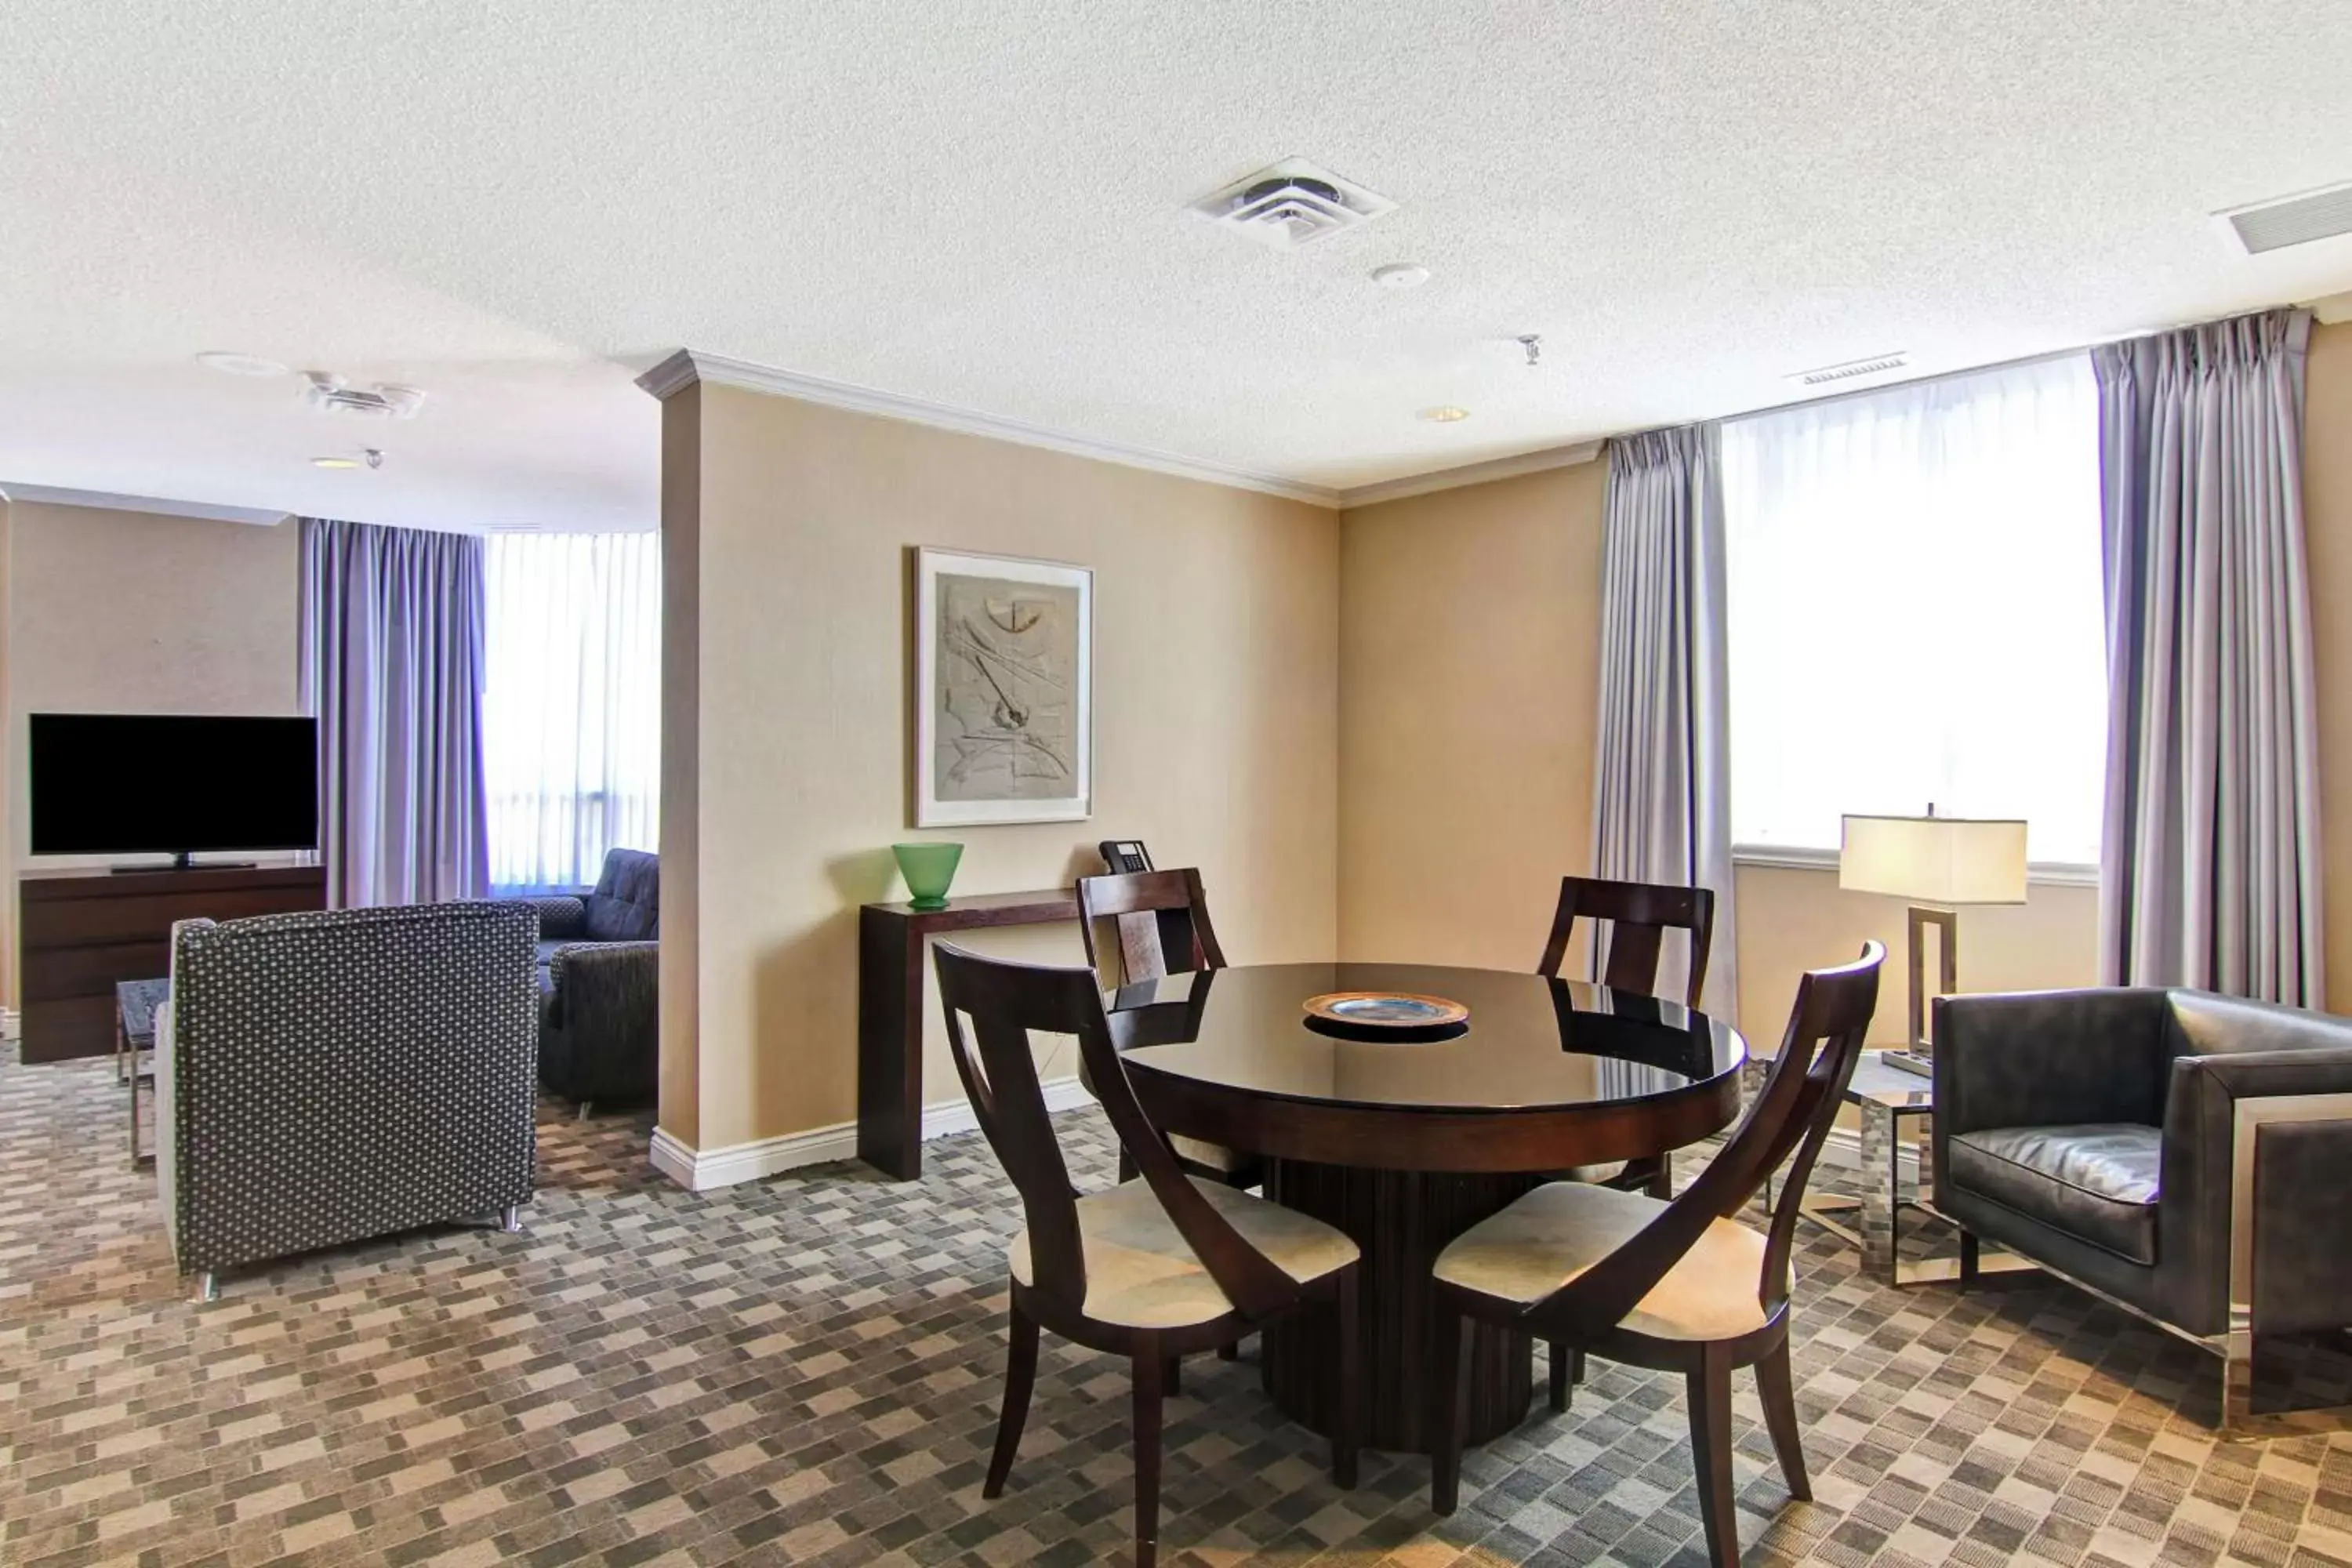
(1003, 690)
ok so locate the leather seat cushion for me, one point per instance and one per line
(2095, 1180)
(1554, 1233)
(1141, 1274)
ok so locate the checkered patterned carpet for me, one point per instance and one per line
(805, 1370)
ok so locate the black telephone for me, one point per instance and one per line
(1125, 857)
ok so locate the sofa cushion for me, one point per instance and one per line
(627, 904)
(2094, 1181)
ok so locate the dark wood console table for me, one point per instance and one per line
(890, 948)
(80, 933)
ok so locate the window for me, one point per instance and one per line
(570, 703)
(1916, 612)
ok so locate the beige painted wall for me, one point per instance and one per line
(135, 613)
(1469, 636)
(1792, 920)
(1216, 658)
(2327, 533)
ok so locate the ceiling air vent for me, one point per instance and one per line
(2292, 220)
(1852, 370)
(1291, 204)
(383, 400)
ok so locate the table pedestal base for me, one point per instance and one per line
(1403, 1220)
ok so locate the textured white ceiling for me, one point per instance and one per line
(519, 207)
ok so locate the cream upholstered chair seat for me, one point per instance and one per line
(1141, 1274)
(1559, 1230)
(1208, 1156)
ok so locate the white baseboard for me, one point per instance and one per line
(699, 1169)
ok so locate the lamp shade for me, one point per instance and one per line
(1935, 859)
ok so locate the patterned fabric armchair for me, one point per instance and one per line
(599, 985)
(323, 1079)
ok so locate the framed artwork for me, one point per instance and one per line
(1003, 690)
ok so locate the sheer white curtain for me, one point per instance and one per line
(572, 703)
(1923, 564)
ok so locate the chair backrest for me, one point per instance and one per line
(625, 903)
(1162, 920)
(1639, 914)
(1791, 1117)
(343, 1074)
(1004, 1004)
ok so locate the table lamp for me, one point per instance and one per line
(1939, 863)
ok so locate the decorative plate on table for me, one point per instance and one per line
(1399, 1016)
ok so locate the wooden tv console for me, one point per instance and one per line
(80, 932)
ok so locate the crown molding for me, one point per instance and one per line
(108, 500)
(687, 366)
(1470, 474)
(2333, 311)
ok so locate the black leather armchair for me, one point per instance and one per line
(600, 983)
(2181, 1154)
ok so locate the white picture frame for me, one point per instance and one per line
(1004, 696)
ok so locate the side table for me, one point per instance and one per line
(1888, 1098)
(135, 1002)
(891, 941)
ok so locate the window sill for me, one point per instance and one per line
(1789, 858)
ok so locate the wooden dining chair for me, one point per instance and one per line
(1161, 920)
(1152, 1269)
(1639, 915)
(1680, 1285)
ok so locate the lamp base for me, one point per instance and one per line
(1910, 1061)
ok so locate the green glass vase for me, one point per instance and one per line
(929, 868)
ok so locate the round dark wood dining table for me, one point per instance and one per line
(1404, 1146)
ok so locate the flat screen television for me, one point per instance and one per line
(124, 783)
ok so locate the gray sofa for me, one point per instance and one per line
(600, 984)
(2182, 1153)
(325, 1077)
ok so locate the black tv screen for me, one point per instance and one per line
(119, 783)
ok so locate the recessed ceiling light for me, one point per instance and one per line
(334, 462)
(240, 365)
(1444, 414)
(1401, 274)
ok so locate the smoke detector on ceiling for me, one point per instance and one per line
(382, 401)
(1852, 369)
(1292, 204)
(2292, 220)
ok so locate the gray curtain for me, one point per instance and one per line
(2209, 874)
(1662, 774)
(392, 667)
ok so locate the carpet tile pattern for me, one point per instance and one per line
(806, 1371)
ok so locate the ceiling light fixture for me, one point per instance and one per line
(334, 462)
(239, 365)
(1401, 274)
(1444, 414)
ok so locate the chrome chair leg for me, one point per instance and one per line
(207, 1288)
(510, 1219)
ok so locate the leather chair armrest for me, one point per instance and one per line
(2194, 1216)
(561, 917)
(2038, 1058)
(606, 999)
(2303, 1275)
